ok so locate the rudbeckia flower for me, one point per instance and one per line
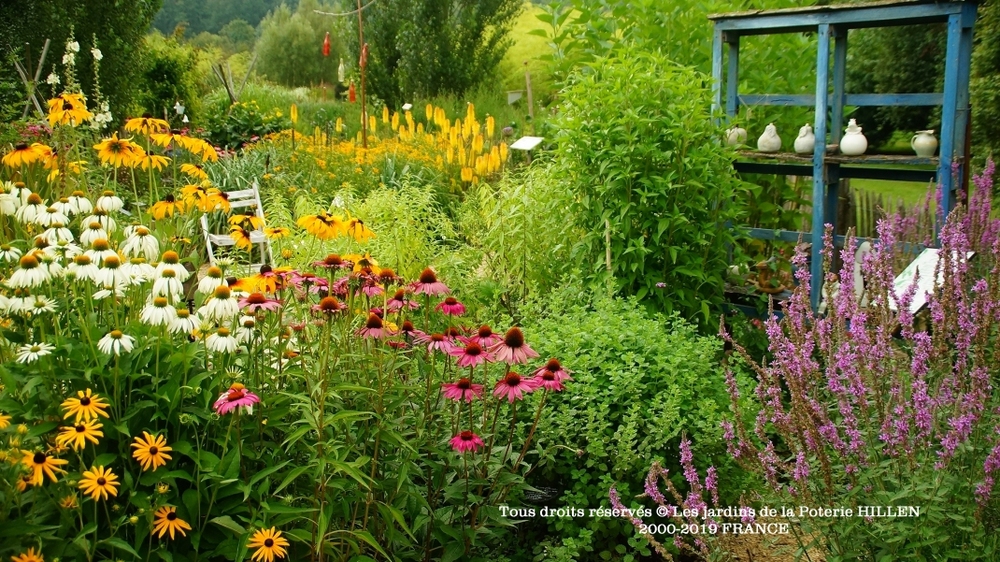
(151, 451)
(194, 171)
(117, 152)
(269, 544)
(77, 435)
(99, 482)
(166, 520)
(276, 232)
(42, 465)
(322, 225)
(153, 162)
(146, 125)
(85, 406)
(166, 208)
(241, 237)
(22, 155)
(356, 229)
(29, 556)
(68, 109)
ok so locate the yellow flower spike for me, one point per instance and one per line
(503, 152)
(470, 112)
(372, 123)
(293, 113)
(340, 124)
(490, 126)
(420, 128)
(429, 112)
(385, 114)
(395, 121)
(477, 144)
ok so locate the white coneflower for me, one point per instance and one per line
(141, 243)
(167, 285)
(53, 263)
(101, 250)
(112, 274)
(4, 306)
(64, 206)
(109, 202)
(213, 278)
(92, 231)
(56, 234)
(185, 322)
(78, 200)
(140, 271)
(158, 312)
(117, 291)
(31, 352)
(65, 250)
(38, 304)
(245, 328)
(83, 268)
(172, 261)
(30, 273)
(30, 211)
(19, 191)
(8, 204)
(101, 216)
(50, 216)
(9, 253)
(115, 342)
(220, 307)
(221, 341)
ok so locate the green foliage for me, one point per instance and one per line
(524, 229)
(233, 126)
(197, 16)
(426, 48)
(119, 28)
(896, 59)
(985, 83)
(168, 77)
(650, 175)
(639, 380)
(290, 47)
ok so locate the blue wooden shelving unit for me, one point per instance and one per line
(831, 25)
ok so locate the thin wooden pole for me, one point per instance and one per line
(362, 63)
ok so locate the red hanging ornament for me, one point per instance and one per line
(326, 45)
(363, 61)
(352, 96)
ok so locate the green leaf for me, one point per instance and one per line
(226, 522)
(120, 544)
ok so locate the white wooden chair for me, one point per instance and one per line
(240, 199)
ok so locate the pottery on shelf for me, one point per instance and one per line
(924, 143)
(806, 140)
(736, 136)
(853, 143)
(769, 141)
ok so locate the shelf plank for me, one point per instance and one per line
(857, 100)
(894, 159)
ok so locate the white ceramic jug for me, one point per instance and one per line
(806, 140)
(853, 142)
(924, 143)
(769, 141)
(736, 136)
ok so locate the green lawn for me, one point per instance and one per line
(911, 193)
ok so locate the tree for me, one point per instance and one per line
(986, 81)
(290, 46)
(119, 31)
(423, 48)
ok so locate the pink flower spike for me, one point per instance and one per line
(512, 350)
(451, 307)
(237, 396)
(512, 387)
(462, 390)
(471, 355)
(553, 370)
(428, 284)
(257, 301)
(466, 441)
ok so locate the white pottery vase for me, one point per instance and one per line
(806, 140)
(769, 141)
(924, 143)
(853, 142)
(736, 136)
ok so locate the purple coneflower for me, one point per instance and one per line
(512, 349)
(484, 337)
(374, 328)
(462, 390)
(471, 355)
(237, 396)
(257, 301)
(551, 376)
(329, 305)
(428, 284)
(451, 307)
(436, 342)
(333, 261)
(512, 387)
(465, 442)
(400, 301)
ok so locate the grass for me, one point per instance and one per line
(527, 50)
(911, 193)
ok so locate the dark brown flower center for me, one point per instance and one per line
(265, 269)
(81, 428)
(400, 295)
(101, 481)
(514, 338)
(374, 322)
(452, 332)
(450, 301)
(256, 298)
(268, 543)
(548, 376)
(67, 106)
(473, 349)
(427, 276)
(85, 401)
(153, 451)
(329, 304)
(512, 380)
(553, 365)
(171, 516)
(21, 146)
(332, 259)
(408, 326)
(485, 331)
(437, 337)
(169, 198)
(467, 435)
(39, 458)
(463, 384)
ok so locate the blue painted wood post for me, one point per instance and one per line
(716, 70)
(839, 82)
(733, 78)
(948, 112)
(819, 163)
(962, 108)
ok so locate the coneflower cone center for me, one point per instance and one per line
(256, 298)
(374, 321)
(513, 379)
(473, 349)
(464, 384)
(85, 401)
(485, 332)
(39, 458)
(467, 436)
(171, 516)
(101, 481)
(514, 338)
(153, 450)
(81, 428)
(268, 543)
(427, 276)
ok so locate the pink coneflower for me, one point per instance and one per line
(512, 349)
(551, 376)
(333, 261)
(513, 387)
(471, 355)
(329, 305)
(427, 284)
(400, 301)
(387, 277)
(484, 337)
(257, 301)
(374, 328)
(451, 307)
(395, 344)
(370, 289)
(465, 442)
(237, 396)
(304, 280)
(436, 342)
(462, 390)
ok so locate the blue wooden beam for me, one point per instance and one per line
(733, 78)
(847, 16)
(839, 84)
(948, 110)
(858, 100)
(716, 71)
(819, 167)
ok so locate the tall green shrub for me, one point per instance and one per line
(652, 180)
(168, 76)
(290, 48)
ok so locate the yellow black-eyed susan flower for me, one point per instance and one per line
(99, 482)
(166, 520)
